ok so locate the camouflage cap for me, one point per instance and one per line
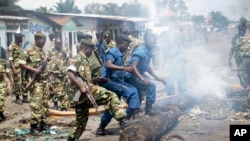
(40, 34)
(87, 42)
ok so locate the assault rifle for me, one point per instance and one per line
(88, 94)
(42, 67)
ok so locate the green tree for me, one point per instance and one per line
(197, 19)
(94, 8)
(68, 6)
(131, 9)
(9, 5)
(111, 9)
(44, 9)
(134, 9)
(219, 20)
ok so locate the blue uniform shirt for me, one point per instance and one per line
(142, 56)
(101, 49)
(116, 57)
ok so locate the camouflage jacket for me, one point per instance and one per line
(14, 53)
(81, 67)
(34, 56)
(243, 46)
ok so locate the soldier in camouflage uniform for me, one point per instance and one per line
(31, 59)
(3, 84)
(57, 73)
(14, 52)
(80, 67)
(237, 50)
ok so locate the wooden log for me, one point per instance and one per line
(151, 128)
(101, 109)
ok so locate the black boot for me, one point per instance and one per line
(124, 122)
(149, 110)
(70, 139)
(34, 130)
(18, 100)
(102, 131)
(2, 117)
(43, 126)
(136, 114)
(25, 99)
(56, 105)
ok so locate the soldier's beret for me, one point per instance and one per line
(87, 42)
(124, 38)
(40, 34)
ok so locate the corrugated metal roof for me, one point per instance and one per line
(13, 18)
(132, 19)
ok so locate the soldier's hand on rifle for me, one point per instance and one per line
(83, 89)
(129, 69)
(37, 71)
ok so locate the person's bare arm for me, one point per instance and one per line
(35, 70)
(137, 73)
(152, 73)
(112, 66)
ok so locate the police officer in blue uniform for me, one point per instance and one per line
(140, 61)
(114, 72)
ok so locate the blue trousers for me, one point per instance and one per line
(149, 91)
(122, 89)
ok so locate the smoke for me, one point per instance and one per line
(206, 73)
(203, 66)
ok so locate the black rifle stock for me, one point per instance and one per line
(42, 67)
(88, 94)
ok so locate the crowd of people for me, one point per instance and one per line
(102, 73)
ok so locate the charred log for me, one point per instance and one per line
(151, 128)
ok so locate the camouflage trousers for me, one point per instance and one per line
(102, 97)
(244, 72)
(39, 102)
(17, 83)
(3, 86)
(61, 95)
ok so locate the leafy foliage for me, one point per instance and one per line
(131, 9)
(197, 19)
(44, 9)
(219, 21)
(9, 5)
(68, 6)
